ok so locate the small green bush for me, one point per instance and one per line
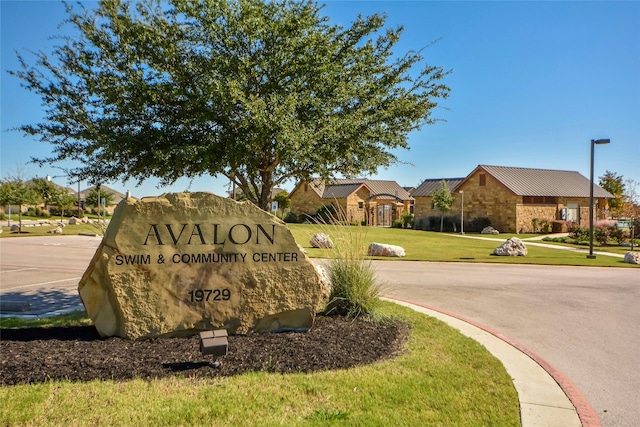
(477, 224)
(290, 217)
(579, 233)
(397, 223)
(354, 287)
(407, 220)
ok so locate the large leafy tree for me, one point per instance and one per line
(614, 184)
(257, 91)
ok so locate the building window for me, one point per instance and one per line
(483, 180)
(360, 205)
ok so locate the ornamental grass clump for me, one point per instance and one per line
(354, 286)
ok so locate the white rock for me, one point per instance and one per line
(489, 230)
(632, 257)
(383, 249)
(512, 247)
(322, 241)
(325, 280)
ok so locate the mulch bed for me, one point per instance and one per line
(36, 355)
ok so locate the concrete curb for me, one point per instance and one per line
(547, 397)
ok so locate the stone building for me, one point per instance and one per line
(423, 196)
(516, 199)
(373, 202)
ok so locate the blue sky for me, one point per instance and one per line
(532, 84)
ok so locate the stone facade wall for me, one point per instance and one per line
(423, 207)
(492, 200)
(304, 200)
(526, 213)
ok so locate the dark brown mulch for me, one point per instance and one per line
(35, 355)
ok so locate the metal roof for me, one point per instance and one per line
(543, 182)
(340, 188)
(428, 186)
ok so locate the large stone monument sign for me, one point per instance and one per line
(180, 263)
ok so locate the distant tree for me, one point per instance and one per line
(46, 190)
(65, 202)
(96, 194)
(259, 91)
(442, 200)
(613, 184)
(15, 191)
(631, 207)
(283, 201)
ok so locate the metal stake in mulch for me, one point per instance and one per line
(214, 343)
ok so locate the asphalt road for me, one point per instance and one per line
(583, 321)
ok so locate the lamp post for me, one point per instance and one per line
(593, 143)
(461, 212)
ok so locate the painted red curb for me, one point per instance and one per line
(586, 413)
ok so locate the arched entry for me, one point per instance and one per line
(383, 214)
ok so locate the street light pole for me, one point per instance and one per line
(593, 143)
(462, 212)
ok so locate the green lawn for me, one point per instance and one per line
(44, 230)
(434, 246)
(443, 378)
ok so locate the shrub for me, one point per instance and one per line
(397, 223)
(579, 233)
(407, 220)
(290, 217)
(354, 286)
(328, 214)
(602, 235)
(618, 234)
(3, 216)
(477, 224)
(534, 224)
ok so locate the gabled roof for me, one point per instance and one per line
(543, 182)
(428, 186)
(117, 196)
(341, 188)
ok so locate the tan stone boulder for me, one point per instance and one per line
(177, 264)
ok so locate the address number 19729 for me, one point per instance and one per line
(204, 295)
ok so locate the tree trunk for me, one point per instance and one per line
(441, 221)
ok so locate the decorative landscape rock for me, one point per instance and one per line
(632, 257)
(325, 280)
(489, 230)
(512, 247)
(57, 230)
(73, 220)
(322, 241)
(177, 264)
(382, 249)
